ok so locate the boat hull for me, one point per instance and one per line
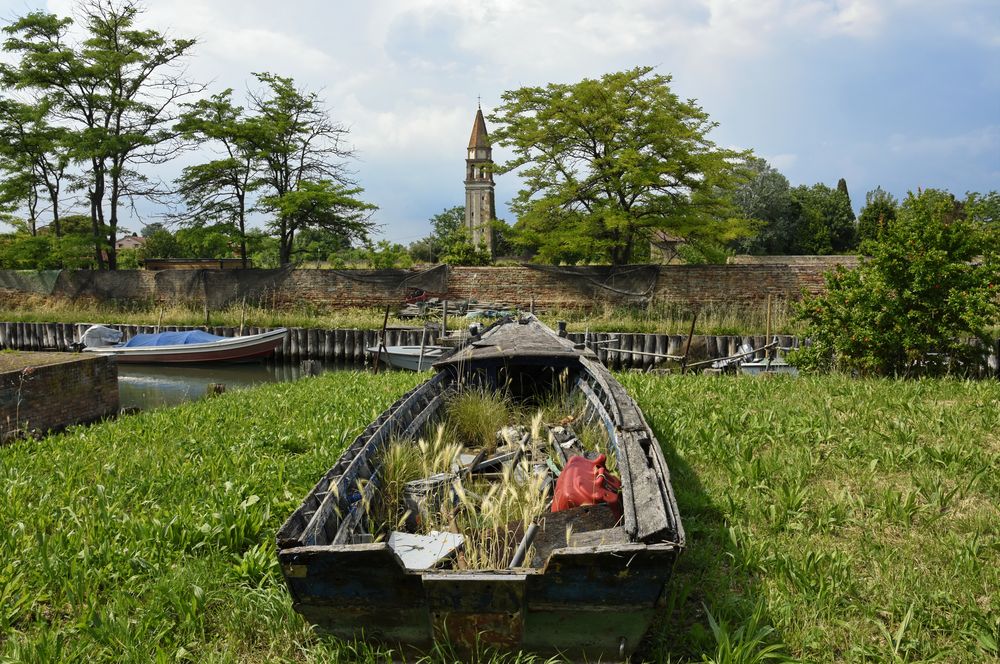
(409, 357)
(234, 349)
(583, 602)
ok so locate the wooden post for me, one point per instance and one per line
(687, 346)
(206, 312)
(444, 318)
(310, 368)
(767, 327)
(243, 315)
(159, 320)
(423, 340)
(532, 304)
(381, 341)
(339, 344)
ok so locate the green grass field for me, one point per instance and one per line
(828, 519)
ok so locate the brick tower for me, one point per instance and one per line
(480, 207)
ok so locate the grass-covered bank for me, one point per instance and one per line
(660, 318)
(858, 518)
(151, 538)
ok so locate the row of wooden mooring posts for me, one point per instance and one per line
(651, 351)
(348, 347)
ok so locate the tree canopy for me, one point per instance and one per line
(607, 161)
(930, 284)
(877, 214)
(116, 92)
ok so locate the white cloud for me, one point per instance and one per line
(404, 74)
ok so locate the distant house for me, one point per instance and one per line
(663, 247)
(132, 241)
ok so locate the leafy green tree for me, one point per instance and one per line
(422, 250)
(984, 208)
(302, 166)
(324, 206)
(207, 241)
(263, 248)
(448, 223)
(115, 92)
(384, 255)
(461, 251)
(825, 221)
(313, 244)
(161, 243)
(930, 284)
(446, 228)
(24, 251)
(765, 199)
(34, 156)
(842, 189)
(217, 190)
(878, 213)
(605, 162)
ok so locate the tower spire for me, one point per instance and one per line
(480, 208)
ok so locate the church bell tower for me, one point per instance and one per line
(480, 207)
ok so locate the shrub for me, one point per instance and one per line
(912, 308)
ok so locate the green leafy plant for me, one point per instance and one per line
(921, 304)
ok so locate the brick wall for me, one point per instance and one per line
(337, 289)
(52, 390)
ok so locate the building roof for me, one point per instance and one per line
(662, 237)
(130, 242)
(479, 138)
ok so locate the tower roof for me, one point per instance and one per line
(479, 138)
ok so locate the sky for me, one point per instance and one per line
(902, 94)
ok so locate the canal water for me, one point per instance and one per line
(154, 386)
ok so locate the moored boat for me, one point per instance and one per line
(413, 358)
(585, 587)
(181, 347)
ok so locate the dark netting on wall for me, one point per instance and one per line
(431, 280)
(217, 288)
(220, 288)
(103, 285)
(39, 282)
(633, 284)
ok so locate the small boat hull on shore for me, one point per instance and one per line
(221, 349)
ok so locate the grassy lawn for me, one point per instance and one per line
(836, 519)
(659, 318)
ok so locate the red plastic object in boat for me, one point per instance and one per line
(586, 482)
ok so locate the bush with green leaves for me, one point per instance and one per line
(920, 304)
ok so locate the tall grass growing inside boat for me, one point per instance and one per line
(476, 415)
(494, 523)
(400, 462)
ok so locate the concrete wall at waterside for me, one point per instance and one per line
(50, 391)
(514, 286)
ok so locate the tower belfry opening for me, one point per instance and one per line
(480, 205)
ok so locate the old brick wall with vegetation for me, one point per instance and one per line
(333, 289)
(44, 391)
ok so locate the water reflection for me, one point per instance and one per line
(156, 385)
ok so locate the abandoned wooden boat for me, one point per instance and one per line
(588, 586)
(412, 358)
(181, 347)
